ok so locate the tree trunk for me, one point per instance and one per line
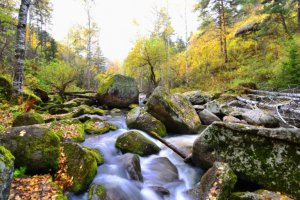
(18, 71)
(284, 23)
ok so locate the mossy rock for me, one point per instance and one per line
(217, 183)
(98, 127)
(42, 94)
(97, 154)
(34, 147)
(132, 106)
(29, 95)
(5, 88)
(118, 91)
(259, 195)
(268, 157)
(81, 165)
(87, 110)
(29, 118)
(69, 130)
(6, 172)
(139, 119)
(97, 192)
(56, 110)
(174, 111)
(135, 142)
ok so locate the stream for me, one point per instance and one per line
(159, 175)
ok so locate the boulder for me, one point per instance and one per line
(196, 97)
(213, 107)
(131, 163)
(135, 142)
(34, 147)
(6, 172)
(81, 164)
(174, 111)
(97, 192)
(97, 155)
(42, 94)
(217, 183)
(118, 91)
(5, 88)
(231, 119)
(26, 119)
(139, 119)
(260, 118)
(198, 108)
(98, 127)
(259, 195)
(88, 110)
(267, 157)
(233, 111)
(207, 118)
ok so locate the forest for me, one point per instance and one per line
(211, 114)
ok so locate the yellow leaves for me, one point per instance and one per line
(62, 178)
(38, 187)
(69, 130)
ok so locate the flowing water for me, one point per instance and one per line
(113, 175)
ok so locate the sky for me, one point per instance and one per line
(115, 19)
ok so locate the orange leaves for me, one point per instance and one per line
(69, 131)
(6, 117)
(38, 187)
(62, 178)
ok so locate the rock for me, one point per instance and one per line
(98, 127)
(174, 111)
(207, 118)
(260, 118)
(196, 97)
(97, 155)
(6, 172)
(115, 111)
(81, 165)
(131, 163)
(139, 119)
(42, 94)
(118, 91)
(231, 119)
(217, 183)
(87, 110)
(132, 106)
(162, 170)
(135, 142)
(213, 107)
(233, 111)
(57, 111)
(5, 88)
(161, 191)
(26, 119)
(68, 130)
(267, 157)
(239, 104)
(198, 108)
(259, 195)
(97, 192)
(34, 147)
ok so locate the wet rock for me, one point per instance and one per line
(98, 127)
(217, 183)
(26, 119)
(207, 118)
(139, 119)
(161, 191)
(118, 91)
(259, 195)
(34, 147)
(196, 97)
(162, 170)
(135, 142)
(6, 172)
(81, 165)
(131, 163)
(260, 118)
(267, 157)
(174, 111)
(213, 107)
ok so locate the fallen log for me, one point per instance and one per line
(264, 98)
(169, 145)
(256, 103)
(263, 92)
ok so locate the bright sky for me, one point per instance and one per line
(115, 19)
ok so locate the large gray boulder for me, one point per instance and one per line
(6, 172)
(174, 111)
(34, 147)
(260, 118)
(267, 157)
(207, 118)
(118, 91)
(196, 97)
(139, 119)
(217, 183)
(131, 163)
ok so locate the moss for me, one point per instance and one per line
(28, 94)
(134, 142)
(97, 191)
(28, 119)
(132, 106)
(96, 126)
(81, 165)
(97, 154)
(7, 158)
(71, 129)
(87, 110)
